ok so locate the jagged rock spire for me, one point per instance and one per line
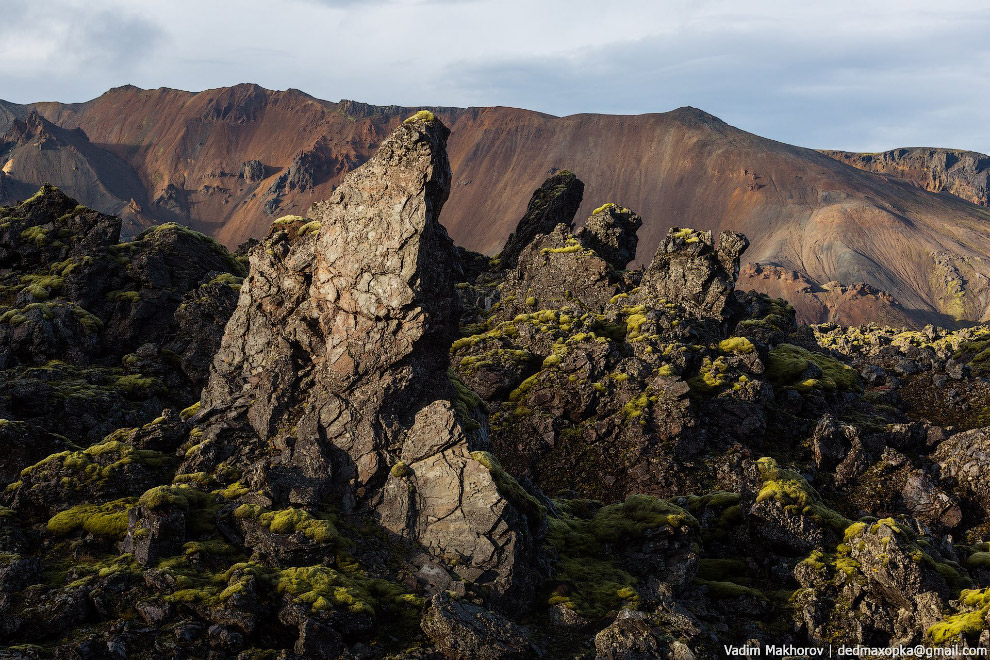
(337, 356)
(553, 203)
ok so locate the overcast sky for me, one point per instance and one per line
(864, 75)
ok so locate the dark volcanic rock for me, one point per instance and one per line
(553, 203)
(360, 479)
(555, 270)
(463, 630)
(611, 233)
(690, 269)
(97, 334)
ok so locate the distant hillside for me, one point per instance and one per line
(965, 174)
(228, 161)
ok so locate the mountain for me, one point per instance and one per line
(36, 150)
(839, 243)
(402, 451)
(965, 174)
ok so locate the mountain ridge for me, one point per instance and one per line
(228, 161)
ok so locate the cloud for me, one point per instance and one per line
(844, 87)
(844, 74)
(60, 48)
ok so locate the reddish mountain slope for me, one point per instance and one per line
(228, 161)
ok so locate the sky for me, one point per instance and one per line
(864, 75)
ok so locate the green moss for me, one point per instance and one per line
(190, 412)
(234, 491)
(40, 287)
(979, 560)
(108, 519)
(183, 496)
(524, 387)
(210, 547)
(719, 499)
(853, 531)
(604, 207)
(634, 322)
(629, 519)
(736, 345)
(124, 296)
(966, 625)
(97, 465)
(466, 402)
(36, 235)
(422, 115)
(90, 322)
(567, 249)
(234, 265)
(231, 280)
(200, 478)
(324, 588)
(400, 470)
(343, 587)
(136, 386)
(786, 364)
(727, 590)
(796, 496)
(288, 220)
(593, 587)
(42, 191)
(636, 407)
(582, 531)
(586, 577)
(292, 521)
(506, 329)
(712, 376)
(310, 227)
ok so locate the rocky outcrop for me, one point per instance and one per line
(611, 233)
(690, 269)
(553, 203)
(961, 457)
(891, 591)
(555, 270)
(338, 351)
(463, 630)
(719, 474)
(96, 334)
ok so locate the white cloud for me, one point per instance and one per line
(59, 49)
(845, 74)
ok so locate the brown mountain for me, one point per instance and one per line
(838, 242)
(965, 174)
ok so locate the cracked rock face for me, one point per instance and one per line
(335, 361)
